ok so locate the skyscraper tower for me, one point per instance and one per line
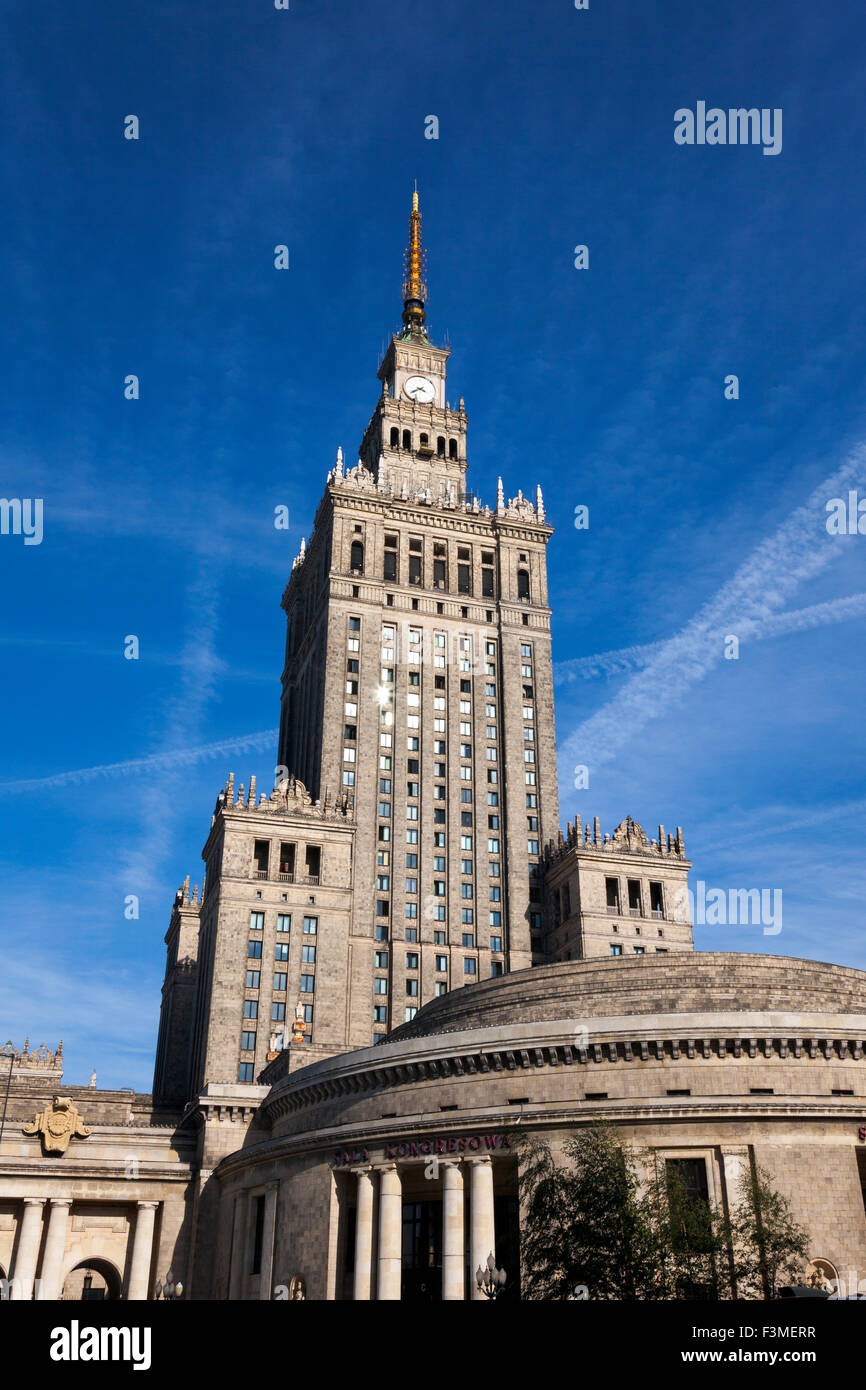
(418, 679)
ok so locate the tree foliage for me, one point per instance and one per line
(609, 1223)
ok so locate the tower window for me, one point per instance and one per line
(407, 439)
(452, 448)
(356, 561)
(395, 438)
(523, 584)
(440, 446)
(390, 570)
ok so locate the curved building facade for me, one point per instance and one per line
(391, 1172)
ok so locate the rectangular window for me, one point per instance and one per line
(278, 1012)
(308, 984)
(251, 1008)
(381, 960)
(254, 950)
(281, 950)
(279, 980)
(412, 988)
(253, 979)
(441, 964)
(496, 943)
(245, 1071)
(257, 921)
(248, 1042)
(284, 921)
(470, 966)
(380, 1013)
(311, 926)
(380, 985)
(308, 955)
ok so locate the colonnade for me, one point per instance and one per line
(48, 1284)
(379, 1208)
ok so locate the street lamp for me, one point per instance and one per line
(170, 1290)
(490, 1281)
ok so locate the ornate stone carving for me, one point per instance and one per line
(57, 1123)
(629, 835)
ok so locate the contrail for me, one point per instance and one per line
(800, 549)
(613, 663)
(179, 757)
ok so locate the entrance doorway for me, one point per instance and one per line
(92, 1281)
(422, 1252)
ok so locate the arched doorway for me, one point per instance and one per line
(92, 1281)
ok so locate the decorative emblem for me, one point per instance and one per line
(57, 1123)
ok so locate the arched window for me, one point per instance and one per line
(356, 563)
(395, 437)
(452, 448)
(407, 439)
(440, 446)
(523, 583)
(425, 440)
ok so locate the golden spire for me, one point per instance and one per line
(414, 269)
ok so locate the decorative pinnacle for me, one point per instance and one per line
(414, 270)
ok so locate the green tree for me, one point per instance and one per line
(768, 1246)
(586, 1223)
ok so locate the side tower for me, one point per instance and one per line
(172, 1081)
(616, 895)
(418, 677)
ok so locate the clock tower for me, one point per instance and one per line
(415, 442)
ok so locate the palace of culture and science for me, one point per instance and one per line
(399, 963)
(402, 853)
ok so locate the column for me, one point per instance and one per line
(363, 1289)
(482, 1238)
(238, 1255)
(142, 1251)
(24, 1269)
(269, 1231)
(453, 1242)
(51, 1280)
(390, 1232)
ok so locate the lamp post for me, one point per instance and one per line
(170, 1290)
(490, 1281)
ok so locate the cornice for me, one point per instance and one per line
(536, 1046)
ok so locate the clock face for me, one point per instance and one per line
(419, 388)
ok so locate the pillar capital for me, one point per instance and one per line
(476, 1160)
(34, 1201)
(61, 1201)
(147, 1205)
(384, 1167)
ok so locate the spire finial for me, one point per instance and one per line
(414, 268)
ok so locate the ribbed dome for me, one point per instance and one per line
(680, 982)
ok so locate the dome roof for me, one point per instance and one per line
(679, 982)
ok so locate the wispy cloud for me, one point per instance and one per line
(798, 551)
(156, 762)
(615, 663)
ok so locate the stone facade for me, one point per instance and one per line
(614, 895)
(726, 1059)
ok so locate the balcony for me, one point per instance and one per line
(635, 912)
(613, 911)
(658, 913)
(260, 873)
(311, 879)
(286, 878)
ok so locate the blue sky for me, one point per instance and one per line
(606, 386)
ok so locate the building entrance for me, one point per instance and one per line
(421, 1275)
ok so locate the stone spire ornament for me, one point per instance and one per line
(500, 498)
(539, 503)
(338, 469)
